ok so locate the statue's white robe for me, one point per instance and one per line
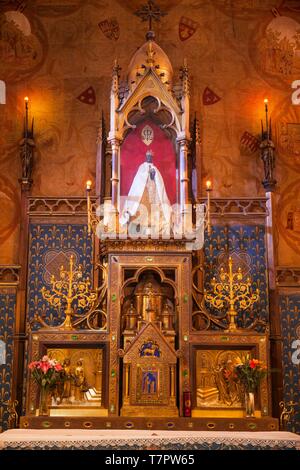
(137, 189)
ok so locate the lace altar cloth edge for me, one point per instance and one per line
(144, 439)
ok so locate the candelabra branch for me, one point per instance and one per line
(231, 291)
(13, 416)
(70, 289)
(93, 220)
(288, 411)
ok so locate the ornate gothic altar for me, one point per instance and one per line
(145, 342)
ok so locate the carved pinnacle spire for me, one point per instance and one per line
(185, 78)
(195, 131)
(115, 77)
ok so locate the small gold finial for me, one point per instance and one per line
(150, 54)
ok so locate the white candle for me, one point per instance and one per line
(208, 190)
(88, 189)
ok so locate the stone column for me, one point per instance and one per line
(172, 381)
(115, 172)
(275, 326)
(115, 180)
(126, 390)
(183, 175)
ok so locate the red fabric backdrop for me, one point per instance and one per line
(133, 153)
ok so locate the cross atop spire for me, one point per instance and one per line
(150, 12)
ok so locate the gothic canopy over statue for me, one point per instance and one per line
(139, 60)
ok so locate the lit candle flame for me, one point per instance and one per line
(208, 185)
(266, 101)
(88, 185)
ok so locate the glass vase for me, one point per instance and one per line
(249, 404)
(44, 401)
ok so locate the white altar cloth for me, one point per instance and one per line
(34, 439)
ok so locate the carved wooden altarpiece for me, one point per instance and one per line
(158, 339)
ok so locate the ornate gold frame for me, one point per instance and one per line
(181, 263)
(258, 343)
(41, 340)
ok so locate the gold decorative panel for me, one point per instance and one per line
(149, 375)
(83, 368)
(82, 354)
(216, 392)
(215, 382)
(149, 380)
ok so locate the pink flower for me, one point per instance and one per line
(41, 368)
(45, 366)
(227, 373)
(32, 365)
(253, 363)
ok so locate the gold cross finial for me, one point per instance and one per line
(150, 12)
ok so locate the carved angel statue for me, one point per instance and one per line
(80, 383)
(229, 389)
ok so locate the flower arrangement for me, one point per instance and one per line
(250, 373)
(46, 372)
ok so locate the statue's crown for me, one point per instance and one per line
(149, 155)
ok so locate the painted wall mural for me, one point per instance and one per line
(57, 53)
(287, 134)
(276, 51)
(10, 206)
(288, 219)
(134, 5)
(23, 45)
(290, 324)
(243, 9)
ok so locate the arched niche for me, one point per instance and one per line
(161, 288)
(150, 132)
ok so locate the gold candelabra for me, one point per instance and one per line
(13, 416)
(232, 291)
(288, 410)
(70, 287)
